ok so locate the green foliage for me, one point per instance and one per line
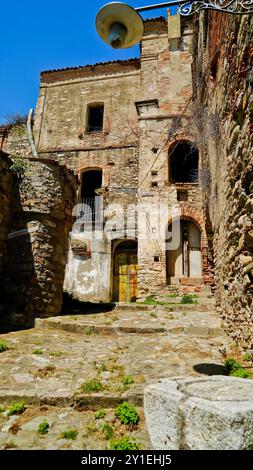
(235, 369)
(89, 330)
(100, 414)
(188, 299)
(243, 374)
(16, 408)
(70, 434)
(3, 346)
(38, 351)
(91, 386)
(127, 414)
(125, 443)
(232, 365)
(2, 409)
(43, 427)
(10, 445)
(150, 300)
(247, 357)
(127, 380)
(107, 431)
(19, 167)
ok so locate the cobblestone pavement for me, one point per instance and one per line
(47, 366)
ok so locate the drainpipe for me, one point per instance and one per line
(30, 134)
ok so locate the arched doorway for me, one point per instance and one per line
(125, 268)
(186, 259)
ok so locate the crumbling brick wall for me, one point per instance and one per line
(223, 86)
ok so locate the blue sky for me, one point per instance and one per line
(47, 35)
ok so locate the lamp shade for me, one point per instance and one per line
(119, 25)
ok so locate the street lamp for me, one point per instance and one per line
(121, 26)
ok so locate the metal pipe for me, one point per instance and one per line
(163, 5)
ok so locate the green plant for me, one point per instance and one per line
(89, 330)
(91, 386)
(16, 408)
(125, 443)
(150, 300)
(100, 414)
(127, 414)
(243, 374)
(19, 167)
(188, 299)
(232, 365)
(3, 346)
(43, 427)
(10, 445)
(70, 434)
(2, 409)
(127, 380)
(38, 351)
(153, 315)
(107, 431)
(247, 357)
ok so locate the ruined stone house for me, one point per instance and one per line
(139, 143)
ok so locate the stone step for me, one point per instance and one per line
(92, 328)
(134, 306)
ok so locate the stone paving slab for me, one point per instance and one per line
(64, 361)
(129, 320)
(21, 432)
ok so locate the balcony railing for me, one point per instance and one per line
(90, 210)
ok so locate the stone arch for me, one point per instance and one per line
(195, 216)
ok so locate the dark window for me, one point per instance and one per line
(182, 196)
(184, 163)
(95, 118)
(90, 204)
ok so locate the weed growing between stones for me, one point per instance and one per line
(127, 380)
(3, 346)
(16, 408)
(43, 427)
(127, 414)
(92, 386)
(10, 445)
(70, 434)
(89, 330)
(189, 299)
(107, 431)
(38, 351)
(3, 409)
(125, 443)
(100, 414)
(235, 369)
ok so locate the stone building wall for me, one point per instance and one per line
(224, 111)
(166, 78)
(6, 180)
(41, 218)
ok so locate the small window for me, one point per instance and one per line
(182, 196)
(156, 259)
(154, 184)
(95, 118)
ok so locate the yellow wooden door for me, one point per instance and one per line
(125, 276)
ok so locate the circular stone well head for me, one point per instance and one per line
(219, 389)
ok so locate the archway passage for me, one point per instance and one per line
(125, 269)
(184, 163)
(186, 259)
